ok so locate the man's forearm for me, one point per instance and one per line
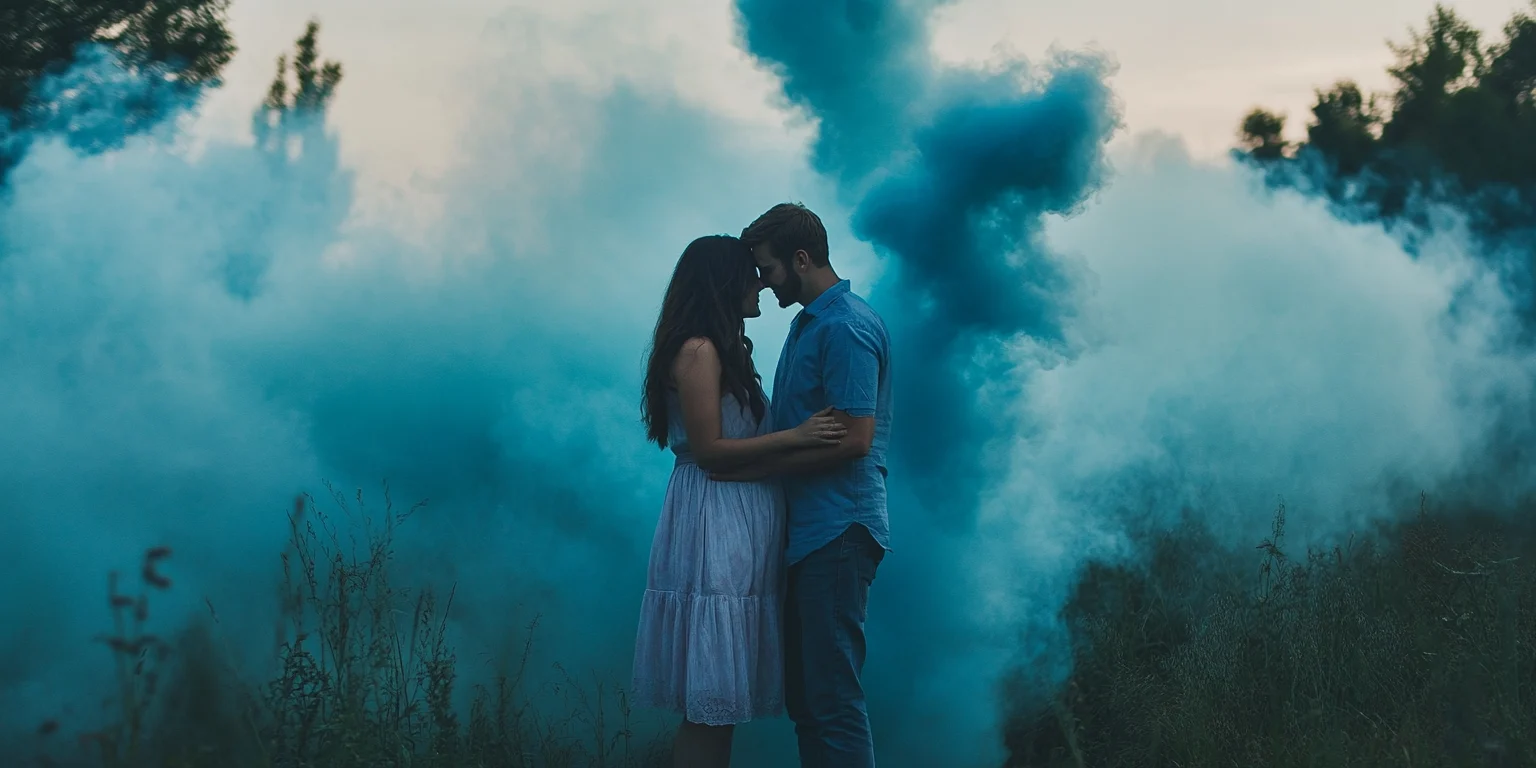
(811, 460)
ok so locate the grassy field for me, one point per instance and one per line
(365, 679)
(1412, 646)
(1415, 646)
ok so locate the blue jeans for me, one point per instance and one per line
(825, 607)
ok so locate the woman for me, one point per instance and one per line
(709, 644)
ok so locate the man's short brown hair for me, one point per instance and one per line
(786, 228)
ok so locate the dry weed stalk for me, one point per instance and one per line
(365, 674)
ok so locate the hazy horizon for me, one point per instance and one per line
(1191, 68)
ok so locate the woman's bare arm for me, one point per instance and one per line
(697, 374)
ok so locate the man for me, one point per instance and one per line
(837, 353)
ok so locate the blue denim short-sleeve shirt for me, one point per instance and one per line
(837, 353)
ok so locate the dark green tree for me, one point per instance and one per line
(182, 41)
(1511, 75)
(1345, 126)
(311, 190)
(293, 108)
(313, 82)
(1262, 135)
(1456, 128)
(1431, 71)
(177, 45)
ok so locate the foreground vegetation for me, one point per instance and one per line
(365, 678)
(1413, 648)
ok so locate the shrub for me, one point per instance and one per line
(1417, 648)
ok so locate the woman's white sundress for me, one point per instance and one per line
(709, 644)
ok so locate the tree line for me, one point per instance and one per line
(178, 46)
(1457, 127)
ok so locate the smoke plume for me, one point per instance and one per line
(193, 331)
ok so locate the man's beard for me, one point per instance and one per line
(789, 293)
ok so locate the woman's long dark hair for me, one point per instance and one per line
(705, 298)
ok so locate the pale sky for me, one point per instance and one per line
(1188, 67)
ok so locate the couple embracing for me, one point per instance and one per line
(775, 516)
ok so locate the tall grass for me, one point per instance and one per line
(1409, 646)
(365, 677)
(1413, 647)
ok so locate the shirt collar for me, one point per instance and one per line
(827, 297)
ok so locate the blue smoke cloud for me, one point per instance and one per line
(957, 182)
(227, 330)
(190, 336)
(951, 173)
(963, 219)
(854, 65)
